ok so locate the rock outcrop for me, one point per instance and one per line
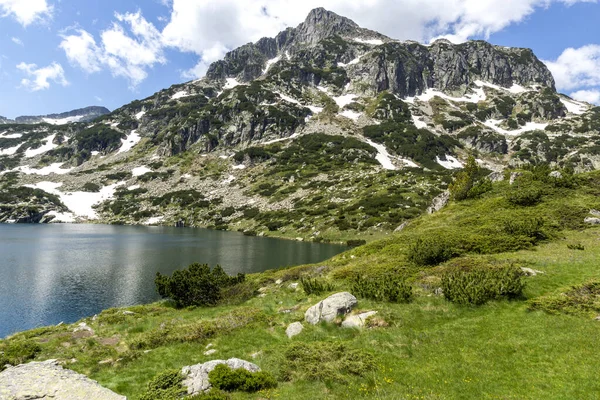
(48, 380)
(196, 376)
(294, 329)
(357, 321)
(328, 309)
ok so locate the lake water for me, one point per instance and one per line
(62, 273)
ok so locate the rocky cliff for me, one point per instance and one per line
(80, 115)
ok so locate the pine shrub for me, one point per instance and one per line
(431, 251)
(315, 286)
(475, 282)
(240, 379)
(392, 288)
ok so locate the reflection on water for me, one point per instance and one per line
(54, 273)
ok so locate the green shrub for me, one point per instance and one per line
(475, 282)
(326, 361)
(18, 352)
(583, 300)
(466, 184)
(526, 193)
(392, 288)
(576, 246)
(431, 251)
(356, 243)
(165, 386)
(531, 227)
(231, 380)
(196, 285)
(315, 286)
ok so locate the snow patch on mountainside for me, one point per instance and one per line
(230, 83)
(131, 140)
(79, 203)
(10, 151)
(383, 156)
(140, 115)
(6, 135)
(375, 42)
(574, 107)
(353, 115)
(63, 121)
(353, 62)
(270, 63)
(50, 169)
(179, 95)
(344, 100)
(42, 149)
(139, 171)
(418, 122)
(529, 126)
(450, 163)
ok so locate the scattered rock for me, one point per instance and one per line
(328, 309)
(294, 285)
(107, 361)
(496, 176)
(439, 202)
(278, 282)
(514, 176)
(48, 380)
(294, 329)
(597, 318)
(592, 221)
(128, 313)
(208, 346)
(210, 352)
(438, 292)
(531, 272)
(263, 290)
(556, 175)
(112, 341)
(401, 227)
(357, 321)
(60, 324)
(196, 380)
(595, 213)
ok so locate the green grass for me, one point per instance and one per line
(429, 348)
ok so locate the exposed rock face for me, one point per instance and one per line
(357, 321)
(328, 309)
(294, 329)
(197, 381)
(48, 380)
(439, 202)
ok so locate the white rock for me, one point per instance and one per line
(196, 376)
(210, 352)
(592, 221)
(531, 272)
(328, 309)
(294, 329)
(294, 285)
(357, 321)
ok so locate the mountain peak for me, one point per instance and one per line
(321, 23)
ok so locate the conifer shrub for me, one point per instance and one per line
(165, 386)
(18, 352)
(196, 285)
(315, 286)
(467, 184)
(581, 300)
(525, 194)
(232, 380)
(392, 288)
(475, 282)
(430, 251)
(356, 243)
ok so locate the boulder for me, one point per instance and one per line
(196, 376)
(595, 213)
(402, 226)
(439, 202)
(328, 309)
(531, 272)
(294, 329)
(357, 321)
(556, 175)
(48, 380)
(496, 177)
(592, 221)
(294, 285)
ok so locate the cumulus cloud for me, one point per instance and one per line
(40, 78)
(17, 41)
(127, 49)
(590, 96)
(25, 12)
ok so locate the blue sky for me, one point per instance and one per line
(58, 55)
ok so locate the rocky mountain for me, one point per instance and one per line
(326, 131)
(81, 115)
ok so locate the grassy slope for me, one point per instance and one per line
(432, 349)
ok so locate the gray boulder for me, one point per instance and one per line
(592, 221)
(357, 321)
(439, 202)
(556, 175)
(48, 380)
(196, 376)
(496, 177)
(331, 307)
(595, 213)
(294, 329)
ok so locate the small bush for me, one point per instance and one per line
(392, 288)
(532, 228)
(583, 300)
(431, 251)
(196, 285)
(356, 243)
(475, 282)
(231, 380)
(525, 195)
(165, 386)
(315, 286)
(576, 246)
(18, 352)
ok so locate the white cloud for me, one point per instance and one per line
(590, 96)
(17, 41)
(25, 12)
(125, 52)
(39, 78)
(200, 26)
(576, 68)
